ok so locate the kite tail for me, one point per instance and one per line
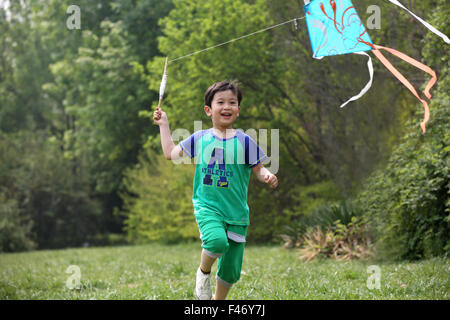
(405, 82)
(368, 85)
(426, 24)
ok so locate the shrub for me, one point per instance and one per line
(345, 242)
(408, 201)
(324, 217)
(158, 201)
(337, 231)
(15, 228)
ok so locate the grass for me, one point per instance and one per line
(157, 271)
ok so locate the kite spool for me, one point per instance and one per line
(162, 87)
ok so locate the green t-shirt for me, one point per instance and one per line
(222, 172)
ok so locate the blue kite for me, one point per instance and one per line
(335, 28)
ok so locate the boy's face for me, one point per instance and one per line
(224, 109)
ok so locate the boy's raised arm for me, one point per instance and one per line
(171, 152)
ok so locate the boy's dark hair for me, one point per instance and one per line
(222, 86)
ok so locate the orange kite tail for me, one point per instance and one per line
(405, 82)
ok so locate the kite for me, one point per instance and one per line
(335, 28)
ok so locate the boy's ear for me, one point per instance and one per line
(208, 111)
(239, 109)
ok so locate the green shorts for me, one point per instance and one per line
(223, 241)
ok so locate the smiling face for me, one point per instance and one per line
(224, 110)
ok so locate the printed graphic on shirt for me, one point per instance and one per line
(222, 172)
(217, 157)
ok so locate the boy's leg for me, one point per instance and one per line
(213, 235)
(221, 291)
(215, 243)
(229, 269)
(206, 262)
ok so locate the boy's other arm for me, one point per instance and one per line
(171, 152)
(265, 175)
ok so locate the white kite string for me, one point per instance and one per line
(162, 86)
(236, 39)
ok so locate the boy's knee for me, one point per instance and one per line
(218, 245)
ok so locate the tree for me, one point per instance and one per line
(158, 203)
(407, 201)
(47, 87)
(43, 201)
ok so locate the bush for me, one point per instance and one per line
(323, 217)
(345, 242)
(408, 201)
(337, 231)
(158, 201)
(15, 229)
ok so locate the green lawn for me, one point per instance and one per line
(157, 271)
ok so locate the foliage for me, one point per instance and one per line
(106, 129)
(158, 201)
(15, 229)
(140, 18)
(323, 217)
(337, 231)
(343, 242)
(326, 216)
(79, 87)
(407, 201)
(43, 195)
(74, 109)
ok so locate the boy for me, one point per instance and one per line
(224, 158)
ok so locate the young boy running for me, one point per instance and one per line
(224, 158)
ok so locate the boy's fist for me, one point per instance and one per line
(159, 116)
(271, 180)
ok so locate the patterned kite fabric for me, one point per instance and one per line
(335, 28)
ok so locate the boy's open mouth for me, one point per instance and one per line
(226, 115)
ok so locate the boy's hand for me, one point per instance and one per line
(160, 117)
(271, 180)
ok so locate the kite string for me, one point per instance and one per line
(236, 39)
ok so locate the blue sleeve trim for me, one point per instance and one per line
(254, 165)
(190, 142)
(192, 146)
(184, 150)
(246, 150)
